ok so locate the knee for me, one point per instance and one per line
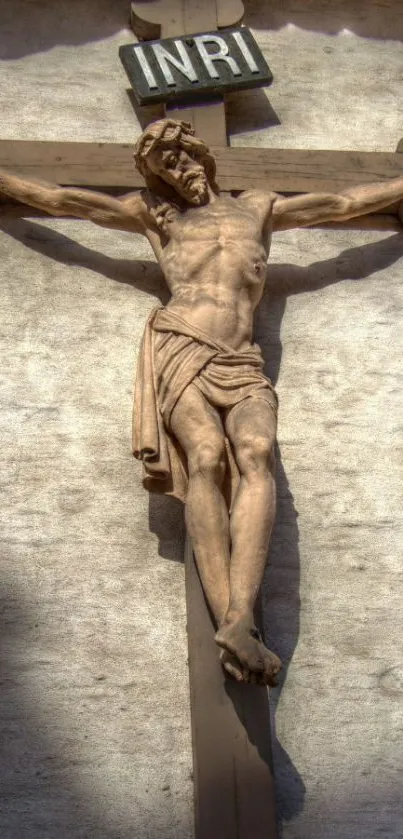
(208, 459)
(255, 456)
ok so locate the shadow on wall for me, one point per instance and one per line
(368, 20)
(280, 590)
(30, 728)
(42, 791)
(47, 787)
(29, 28)
(244, 110)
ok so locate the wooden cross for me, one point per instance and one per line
(230, 722)
(232, 769)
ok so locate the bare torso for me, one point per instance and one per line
(215, 265)
(213, 255)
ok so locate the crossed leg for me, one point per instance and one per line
(251, 428)
(231, 583)
(199, 430)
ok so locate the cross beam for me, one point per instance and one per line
(110, 165)
(239, 168)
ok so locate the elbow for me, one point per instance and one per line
(345, 208)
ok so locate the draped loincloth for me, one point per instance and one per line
(173, 355)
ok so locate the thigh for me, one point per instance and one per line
(250, 422)
(194, 421)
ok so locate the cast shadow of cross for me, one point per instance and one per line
(281, 584)
(280, 590)
(28, 31)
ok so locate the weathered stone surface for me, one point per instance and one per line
(333, 587)
(94, 700)
(337, 72)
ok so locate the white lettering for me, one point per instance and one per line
(237, 36)
(165, 58)
(221, 55)
(148, 73)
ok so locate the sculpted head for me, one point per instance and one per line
(169, 155)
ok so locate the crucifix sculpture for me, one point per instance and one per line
(205, 413)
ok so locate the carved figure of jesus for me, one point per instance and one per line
(206, 415)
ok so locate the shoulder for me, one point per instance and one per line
(149, 210)
(137, 202)
(258, 200)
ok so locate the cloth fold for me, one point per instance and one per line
(174, 354)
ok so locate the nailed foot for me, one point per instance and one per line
(244, 654)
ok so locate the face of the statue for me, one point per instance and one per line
(178, 168)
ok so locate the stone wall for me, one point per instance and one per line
(94, 700)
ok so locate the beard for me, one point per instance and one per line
(196, 190)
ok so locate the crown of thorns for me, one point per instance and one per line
(167, 132)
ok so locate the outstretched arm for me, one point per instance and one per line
(126, 213)
(317, 208)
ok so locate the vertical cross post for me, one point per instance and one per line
(167, 18)
(208, 119)
(232, 769)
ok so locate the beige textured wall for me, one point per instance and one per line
(94, 700)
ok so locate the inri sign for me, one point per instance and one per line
(185, 67)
